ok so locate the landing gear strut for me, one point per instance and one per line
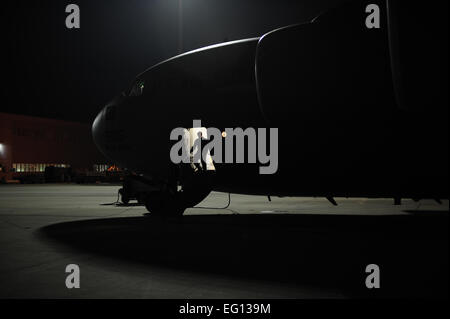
(124, 196)
(135, 187)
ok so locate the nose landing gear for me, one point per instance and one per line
(171, 201)
(185, 188)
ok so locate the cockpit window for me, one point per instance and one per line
(137, 88)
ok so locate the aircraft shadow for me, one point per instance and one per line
(325, 251)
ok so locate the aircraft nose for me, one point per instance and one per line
(108, 120)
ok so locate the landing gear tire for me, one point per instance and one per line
(164, 203)
(169, 201)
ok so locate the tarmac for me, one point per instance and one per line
(255, 248)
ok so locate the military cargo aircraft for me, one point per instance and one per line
(358, 95)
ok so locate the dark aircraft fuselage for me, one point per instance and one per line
(357, 113)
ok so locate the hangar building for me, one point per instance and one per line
(30, 144)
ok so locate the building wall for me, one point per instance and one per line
(32, 140)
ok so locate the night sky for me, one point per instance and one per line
(51, 71)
